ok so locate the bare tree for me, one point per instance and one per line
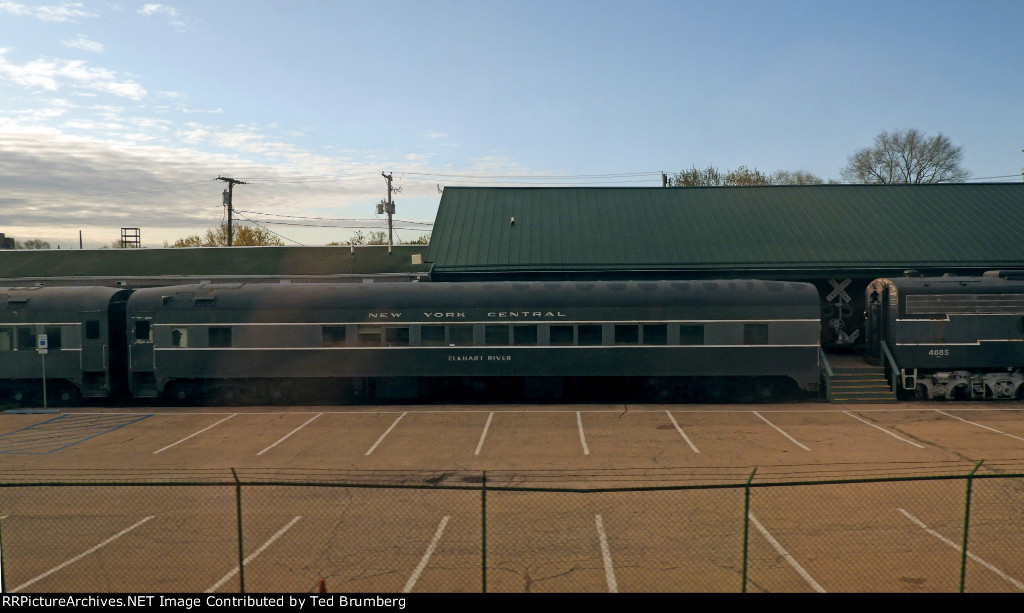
(907, 156)
(712, 177)
(32, 243)
(797, 177)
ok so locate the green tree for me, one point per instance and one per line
(907, 156)
(241, 236)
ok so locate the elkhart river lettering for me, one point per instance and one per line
(479, 358)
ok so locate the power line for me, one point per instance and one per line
(271, 231)
(425, 223)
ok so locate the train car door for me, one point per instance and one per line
(876, 322)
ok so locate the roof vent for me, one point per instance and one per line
(911, 273)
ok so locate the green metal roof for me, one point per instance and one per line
(213, 262)
(706, 229)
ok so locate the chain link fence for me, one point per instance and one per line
(681, 530)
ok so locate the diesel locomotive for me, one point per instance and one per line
(950, 337)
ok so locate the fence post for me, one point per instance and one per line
(238, 513)
(967, 522)
(483, 533)
(3, 585)
(746, 528)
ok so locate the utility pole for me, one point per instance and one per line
(227, 200)
(389, 206)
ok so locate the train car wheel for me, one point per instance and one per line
(67, 396)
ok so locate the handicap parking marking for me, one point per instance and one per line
(64, 431)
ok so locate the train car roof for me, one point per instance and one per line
(507, 294)
(988, 284)
(89, 298)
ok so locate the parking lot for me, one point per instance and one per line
(853, 537)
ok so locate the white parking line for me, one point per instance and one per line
(795, 442)
(84, 553)
(195, 433)
(426, 556)
(609, 572)
(1014, 582)
(857, 417)
(483, 434)
(785, 554)
(583, 439)
(290, 433)
(393, 424)
(683, 434)
(979, 425)
(253, 555)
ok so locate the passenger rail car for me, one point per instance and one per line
(81, 326)
(950, 337)
(674, 340)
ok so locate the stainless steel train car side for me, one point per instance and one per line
(78, 323)
(951, 337)
(673, 339)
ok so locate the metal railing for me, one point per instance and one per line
(893, 368)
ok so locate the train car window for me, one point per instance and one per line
(560, 335)
(333, 336)
(26, 339)
(369, 336)
(53, 339)
(92, 329)
(396, 336)
(589, 334)
(142, 330)
(496, 335)
(627, 334)
(432, 336)
(6, 339)
(220, 337)
(179, 337)
(755, 334)
(655, 334)
(460, 336)
(691, 335)
(524, 335)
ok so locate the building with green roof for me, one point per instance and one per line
(838, 237)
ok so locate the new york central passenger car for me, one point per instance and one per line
(679, 340)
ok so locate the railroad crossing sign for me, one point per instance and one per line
(841, 309)
(838, 291)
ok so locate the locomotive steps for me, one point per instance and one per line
(855, 382)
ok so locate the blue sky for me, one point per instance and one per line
(124, 114)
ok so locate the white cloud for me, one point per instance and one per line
(161, 10)
(83, 43)
(158, 9)
(57, 13)
(50, 75)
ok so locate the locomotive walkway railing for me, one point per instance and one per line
(894, 369)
